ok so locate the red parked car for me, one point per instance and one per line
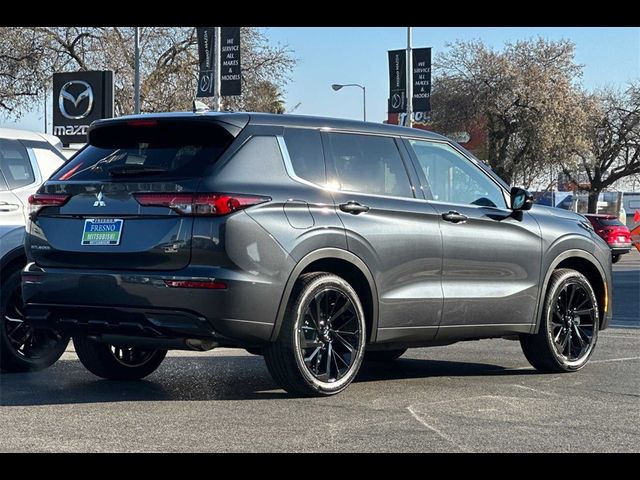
(613, 231)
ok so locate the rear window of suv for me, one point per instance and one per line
(147, 149)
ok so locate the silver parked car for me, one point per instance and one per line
(26, 160)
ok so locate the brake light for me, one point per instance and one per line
(206, 204)
(142, 123)
(40, 200)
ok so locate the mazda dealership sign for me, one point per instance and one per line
(79, 98)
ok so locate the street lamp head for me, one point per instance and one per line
(336, 86)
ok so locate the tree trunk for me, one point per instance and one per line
(593, 201)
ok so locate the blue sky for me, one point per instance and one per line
(611, 56)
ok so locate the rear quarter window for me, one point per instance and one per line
(306, 154)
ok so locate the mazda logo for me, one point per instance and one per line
(396, 101)
(204, 83)
(65, 94)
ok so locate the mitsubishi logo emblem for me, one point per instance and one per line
(75, 100)
(99, 202)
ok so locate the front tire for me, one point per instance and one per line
(568, 330)
(117, 363)
(22, 347)
(322, 339)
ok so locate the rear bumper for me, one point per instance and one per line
(140, 304)
(171, 329)
(620, 248)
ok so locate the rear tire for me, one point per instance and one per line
(568, 331)
(117, 363)
(23, 348)
(384, 355)
(322, 338)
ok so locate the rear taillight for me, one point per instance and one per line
(207, 204)
(40, 200)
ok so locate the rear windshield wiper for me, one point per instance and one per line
(122, 170)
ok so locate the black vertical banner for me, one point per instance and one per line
(230, 80)
(206, 45)
(397, 81)
(421, 101)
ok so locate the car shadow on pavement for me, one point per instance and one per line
(210, 378)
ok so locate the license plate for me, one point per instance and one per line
(102, 231)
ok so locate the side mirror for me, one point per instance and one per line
(521, 199)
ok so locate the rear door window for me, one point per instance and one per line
(153, 150)
(15, 164)
(368, 164)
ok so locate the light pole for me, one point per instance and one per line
(337, 86)
(409, 122)
(45, 110)
(217, 86)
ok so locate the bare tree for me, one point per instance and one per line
(169, 64)
(525, 97)
(613, 151)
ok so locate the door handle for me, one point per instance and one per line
(454, 217)
(8, 207)
(353, 207)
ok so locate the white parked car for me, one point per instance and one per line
(27, 159)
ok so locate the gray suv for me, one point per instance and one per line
(317, 243)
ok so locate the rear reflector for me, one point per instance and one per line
(207, 204)
(210, 284)
(40, 200)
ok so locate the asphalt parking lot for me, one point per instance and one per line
(470, 397)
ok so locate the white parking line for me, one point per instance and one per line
(626, 359)
(438, 432)
(536, 390)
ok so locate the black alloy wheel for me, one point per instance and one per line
(24, 348)
(568, 332)
(322, 339)
(329, 335)
(572, 323)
